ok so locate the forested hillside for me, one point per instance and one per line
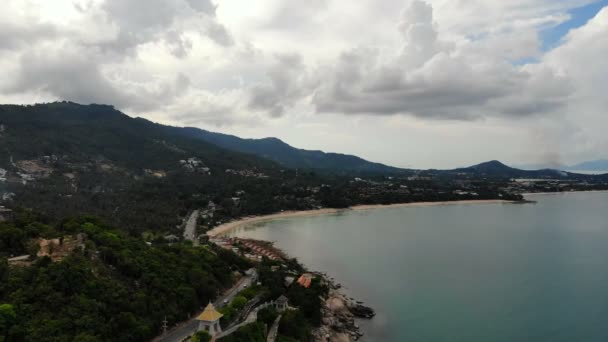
(67, 159)
(276, 150)
(64, 159)
(112, 288)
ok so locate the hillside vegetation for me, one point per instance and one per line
(115, 288)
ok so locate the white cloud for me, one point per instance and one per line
(277, 64)
(437, 78)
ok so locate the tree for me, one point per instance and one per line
(239, 302)
(120, 291)
(86, 338)
(267, 315)
(201, 336)
(7, 319)
(254, 332)
(3, 271)
(293, 324)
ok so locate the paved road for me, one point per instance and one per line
(272, 334)
(186, 329)
(190, 229)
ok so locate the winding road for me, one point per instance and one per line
(186, 329)
(190, 229)
(274, 330)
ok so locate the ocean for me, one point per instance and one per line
(471, 272)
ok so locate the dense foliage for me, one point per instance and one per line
(95, 160)
(117, 289)
(254, 332)
(201, 336)
(267, 316)
(288, 156)
(294, 325)
(308, 300)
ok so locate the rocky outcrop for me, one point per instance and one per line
(338, 322)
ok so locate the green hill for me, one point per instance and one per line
(276, 150)
(64, 159)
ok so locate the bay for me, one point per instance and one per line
(471, 272)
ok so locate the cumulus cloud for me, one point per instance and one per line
(84, 59)
(435, 78)
(138, 23)
(287, 83)
(242, 63)
(67, 75)
(17, 35)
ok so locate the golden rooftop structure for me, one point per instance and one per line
(209, 320)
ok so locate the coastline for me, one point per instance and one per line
(232, 225)
(338, 312)
(560, 192)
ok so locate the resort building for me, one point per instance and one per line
(305, 280)
(209, 320)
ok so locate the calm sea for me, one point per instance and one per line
(483, 272)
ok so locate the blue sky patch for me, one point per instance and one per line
(552, 37)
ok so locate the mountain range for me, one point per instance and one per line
(496, 168)
(289, 156)
(64, 158)
(116, 193)
(96, 131)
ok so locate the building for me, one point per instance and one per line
(209, 320)
(305, 280)
(5, 214)
(281, 303)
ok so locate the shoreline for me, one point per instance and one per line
(339, 320)
(560, 192)
(232, 225)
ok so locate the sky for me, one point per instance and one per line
(410, 83)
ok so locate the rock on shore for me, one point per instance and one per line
(338, 322)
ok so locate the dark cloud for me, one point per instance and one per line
(204, 6)
(80, 63)
(427, 77)
(427, 73)
(76, 75)
(18, 35)
(182, 83)
(179, 45)
(219, 34)
(69, 75)
(431, 79)
(286, 84)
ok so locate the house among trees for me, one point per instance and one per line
(5, 214)
(305, 280)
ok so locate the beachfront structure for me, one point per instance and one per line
(305, 280)
(209, 320)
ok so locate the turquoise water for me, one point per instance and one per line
(483, 272)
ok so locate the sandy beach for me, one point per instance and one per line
(229, 226)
